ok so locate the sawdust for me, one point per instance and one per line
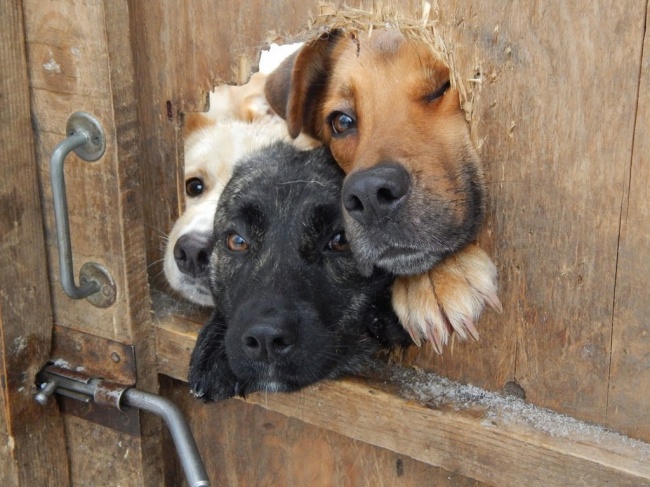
(499, 410)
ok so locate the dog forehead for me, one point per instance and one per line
(381, 69)
(283, 182)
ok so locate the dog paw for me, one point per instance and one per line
(212, 385)
(210, 377)
(449, 298)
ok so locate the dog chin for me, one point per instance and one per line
(396, 261)
(242, 389)
(196, 291)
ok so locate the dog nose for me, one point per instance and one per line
(268, 342)
(192, 254)
(372, 195)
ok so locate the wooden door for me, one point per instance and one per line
(139, 65)
(59, 57)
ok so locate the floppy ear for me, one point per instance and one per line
(296, 88)
(194, 122)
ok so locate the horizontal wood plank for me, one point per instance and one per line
(485, 436)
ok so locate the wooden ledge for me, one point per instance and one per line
(485, 436)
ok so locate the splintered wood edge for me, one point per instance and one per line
(481, 435)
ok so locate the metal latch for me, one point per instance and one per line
(73, 384)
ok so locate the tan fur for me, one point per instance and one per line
(246, 102)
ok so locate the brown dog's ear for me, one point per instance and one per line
(195, 121)
(296, 87)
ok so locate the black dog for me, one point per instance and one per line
(292, 307)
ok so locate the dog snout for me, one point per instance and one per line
(192, 254)
(372, 195)
(267, 342)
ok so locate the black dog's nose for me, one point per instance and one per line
(192, 254)
(268, 342)
(374, 194)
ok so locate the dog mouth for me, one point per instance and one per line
(197, 290)
(267, 378)
(398, 260)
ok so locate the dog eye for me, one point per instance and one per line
(236, 243)
(342, 123)
(338, 243)
(194, 187)
(437, 93)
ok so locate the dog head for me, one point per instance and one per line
(211, 151)
(292, 307)
(385, 107)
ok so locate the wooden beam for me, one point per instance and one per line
(32, 437)
(485, 436)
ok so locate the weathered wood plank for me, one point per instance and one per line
(76, 31)
(555, 120)
(32, 443)
(629, 387)
(258, 447)
(467, 431)
(80, 59)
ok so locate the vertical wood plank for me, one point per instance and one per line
(32, 447)
(81, 59)
(629, 388)
(69, 71)
(555, 118)
(130, 196)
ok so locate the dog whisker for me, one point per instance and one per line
(158, 230)
(302, 181)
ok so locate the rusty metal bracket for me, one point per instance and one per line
(80, 356)
(74, 384)
(93, 356)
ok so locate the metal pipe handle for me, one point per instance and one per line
(86, 139)
(186, 448)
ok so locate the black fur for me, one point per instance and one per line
(292, 308)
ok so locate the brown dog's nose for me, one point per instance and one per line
(374, 194)
(192, 254)
(268, 342)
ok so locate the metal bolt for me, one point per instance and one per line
(107, 291)
(47, 390)
(115, 357)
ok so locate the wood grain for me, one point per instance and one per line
(628, 405)
(557, 149)
(80, 59)
(259, 447)
(31, 437)
(497, 442)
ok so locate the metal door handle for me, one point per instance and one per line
(86, 139)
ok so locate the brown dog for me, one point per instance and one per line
(413, 195)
